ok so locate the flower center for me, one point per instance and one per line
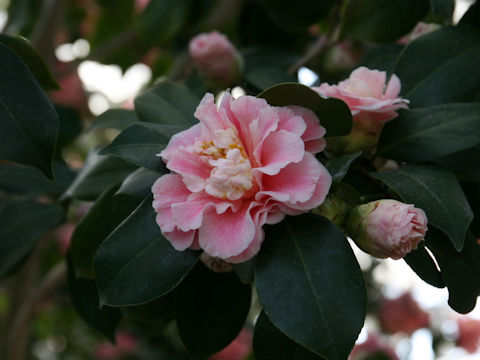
(231, 175)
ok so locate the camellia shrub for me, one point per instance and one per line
(210, 214)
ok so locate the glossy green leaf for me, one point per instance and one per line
(338, 166)
(424, 266)
(381, 20)
(162, 20)
(167, 103)
(459, 270)
(414, 135)
(463, 163)
(269, 343)
(452, 53)
(70, 127)
(437, 192)
(84, 295)
(104, 216)
(138, 183)
(159, 310)
(297, 15)
(334, 114)
(140, 143)
(23, 223)
(136, 264)
(28, 121)
(19, 179)
(307, 263)
(211, 310)
(382, 57)
(32, 59)
(472, 16)
(114, 119)
(98, 173)
(442, 10)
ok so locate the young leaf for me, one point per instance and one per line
(98, 173)
(211, 310)
(269, 343)
(136, 264)
(114, 119)
(32, 59)
(94, 227)
(381, 20)
(413, 136)
(437, 192)
(23, 223)
(334, 114)
(453, 55)
(140, 143)
(311, 286)
(28, 121)
(167, 103)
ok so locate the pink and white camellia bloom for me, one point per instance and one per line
(216, 59)
(244, 165)
(366, 92)
(387, 228)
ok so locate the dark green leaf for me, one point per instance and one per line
(140, 143)
(338, 166)
(422, 263)
(269, 343)
(297, 15)
(437, 192)
(211, 310)
(94, 227)
(442, 10)
(463, 163)
(311, 286)
(70, 126)
(138, 183)
(334, 114)
(32, 59)
(136, 264)
(23, 223)
(28, 121)
(98, 173)
(382, 20)
(472, 16)
(114, 119)
(167, 103)
(414, 135)
(159, 310)
(19, 179)
(452, 53)
(162, 20)
(382, 57)
(84, 295)
(460, 270)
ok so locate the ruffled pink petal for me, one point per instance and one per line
(182, 139)
(314, 132)
(188, 215)
(180, 240)
(209, 116)
(280, 149)
(393, 87)
(228, 234)
(167, 190)
(296, 182)
(287, 119)
(251, 250)
(193, 168)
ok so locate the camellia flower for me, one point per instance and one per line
(244, 165)
(372, 102)
(387, 228)
(216, 59)
(402, 314)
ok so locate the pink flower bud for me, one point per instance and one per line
(387, 228)
(372, 102)
(402, 314)
(238, 348)
(216, 59)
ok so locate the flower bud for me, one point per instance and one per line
(334, 208)
(387, 228)
(216, 59)
(215, 264)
